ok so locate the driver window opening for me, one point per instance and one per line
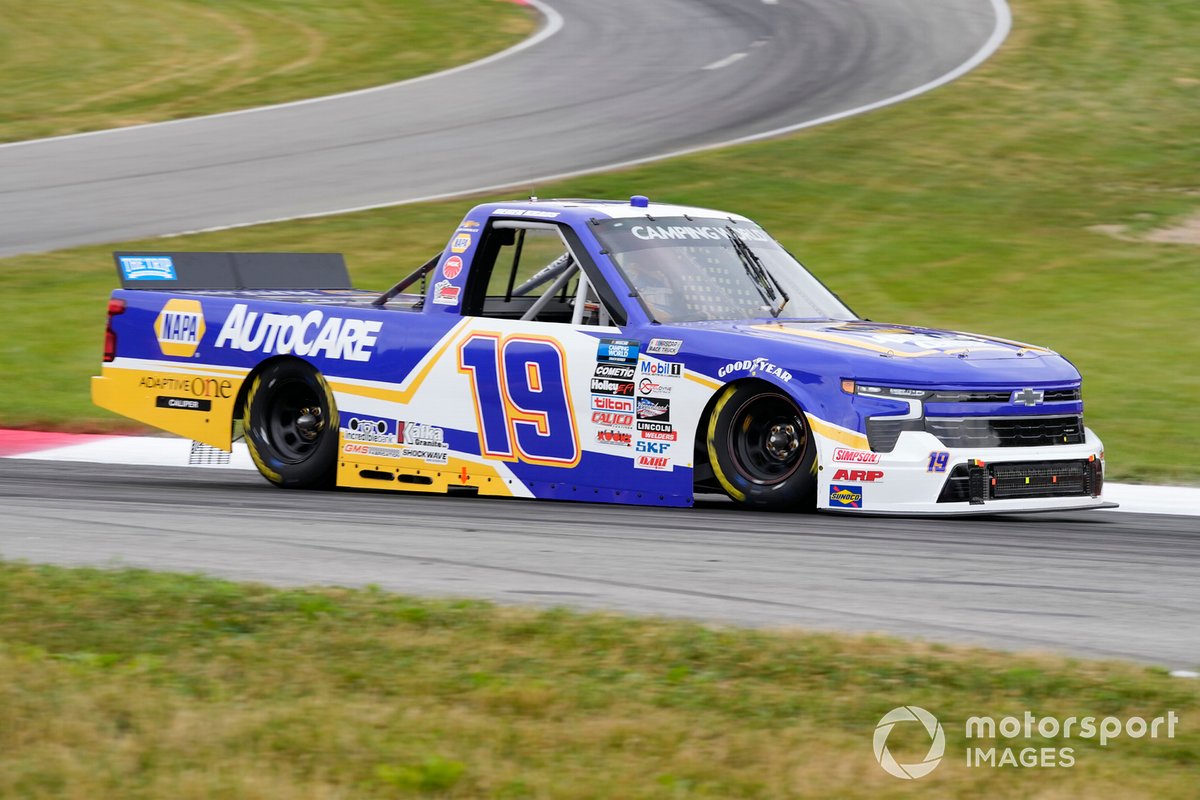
(533, 275)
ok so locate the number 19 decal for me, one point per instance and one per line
(522, 400)
(937, 462)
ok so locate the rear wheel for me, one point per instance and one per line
(291, 426)
(761, 449)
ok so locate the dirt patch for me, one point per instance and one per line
(1186, 232)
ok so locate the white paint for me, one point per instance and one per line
(1185, 673)
(999, 33)
(553, 24)
(726, 61)
(1144, 499)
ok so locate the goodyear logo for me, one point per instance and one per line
(180, 327)
(843, 496)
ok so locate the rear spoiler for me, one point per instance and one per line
(146, 270)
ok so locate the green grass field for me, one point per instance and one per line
(71, 66)
(975, 207)
(133, 684)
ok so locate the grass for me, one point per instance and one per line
(135, 684)
(69, 68)
(973, 207)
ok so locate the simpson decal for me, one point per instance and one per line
(855, 456)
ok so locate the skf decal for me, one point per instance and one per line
(844, 496)
(310, 335)
(180, 327)
(863, 475)
(658, 448)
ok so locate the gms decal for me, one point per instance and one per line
(843, 496)
(180, 327)
(308, 335)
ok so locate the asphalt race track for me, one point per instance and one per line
(617, 81)
(1093, 583)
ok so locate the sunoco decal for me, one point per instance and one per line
(844, 496)
(310, 335)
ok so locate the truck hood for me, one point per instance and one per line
(901, 342)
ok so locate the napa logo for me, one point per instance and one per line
(180, 327)
(843, 496)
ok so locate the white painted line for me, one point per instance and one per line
(771, 2)
(1142, 499)
(553, 23)
(999, 33)
(726, 61)
(1185, 673)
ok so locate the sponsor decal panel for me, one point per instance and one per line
(664, 347)
(860, 475)
(843, 495)
(622, 372)
(847, 456)
(422, 441)
(659, 410)
(660, 369)
(657, 448)
(661, 436)
(184, 403)
(313, 334)
(369, 429)
(469, 225)
(179, 327)
(460, 244)
(647, 386)
(147, 268)
(755, 365)
(698, 232)
(618, 351)
(646, 426)
(452, 268)
(446, 293)
(617, 388)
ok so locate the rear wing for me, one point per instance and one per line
(147, 270)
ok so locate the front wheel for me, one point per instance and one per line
(291, 426)
(761, 449)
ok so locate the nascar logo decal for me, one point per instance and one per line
(180, 327)
(843, 496)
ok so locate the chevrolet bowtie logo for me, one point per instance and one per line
(1029, 397)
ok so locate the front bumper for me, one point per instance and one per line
(915, 475)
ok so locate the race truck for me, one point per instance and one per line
(604, 351)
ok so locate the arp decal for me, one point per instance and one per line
(147, 268)
(862, 475)
(310, 335)
(452, 268)
(180, 327)
(519, 384)
(845, 496)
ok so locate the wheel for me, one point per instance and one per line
(291, 426)
(761, 449)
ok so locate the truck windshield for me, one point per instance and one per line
(693, 269)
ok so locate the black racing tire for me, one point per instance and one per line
(291, 426)
(761, 448)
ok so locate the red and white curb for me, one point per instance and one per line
(164, 451)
